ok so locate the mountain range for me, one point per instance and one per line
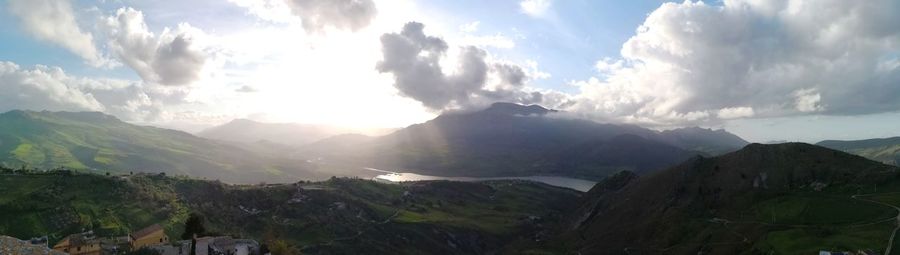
(95, 141)
(502, 140)
(512, 139)
(289, 134)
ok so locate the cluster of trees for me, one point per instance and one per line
(26, 170)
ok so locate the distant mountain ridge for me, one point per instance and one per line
(885, 150)
(512, 139)
(249, 131)
(92, 140)
(711, 142)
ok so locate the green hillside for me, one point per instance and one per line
(338, 216)
(885, 150)
(763, 199)
(95, 141)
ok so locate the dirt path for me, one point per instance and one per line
(890, 245)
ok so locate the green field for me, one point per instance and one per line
(819, 209)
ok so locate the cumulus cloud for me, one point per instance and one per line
(414, 59)
(314, 15)
(50, 88)
(807, 100)
(41, 88)
(341, 14)
(693, 61)
(54, 21)
(170, 58)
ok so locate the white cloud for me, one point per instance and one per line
(314, 15)
(54, 21)
(751, 58)
(608, 65)
(341, 14)
(42, 88)
(807, 100)
(171, 58)
(470, 27)
(416, 61)
(535, 8)
(50, 88)
(735, 112)
(534, 72)
(269, 10)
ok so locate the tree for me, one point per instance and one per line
(193, 226)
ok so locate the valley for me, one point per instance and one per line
(510, 179)
(335, 216)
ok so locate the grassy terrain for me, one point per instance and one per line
(335, 216)
(94, 141)
(820, 209)
(764, 199)
(885, 150)
(812, 240)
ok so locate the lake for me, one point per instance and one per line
(565, 182)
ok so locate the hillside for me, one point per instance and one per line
(290, 134)
(512, 139)
(885, 150)
(248, 131)
(784, 198)
(338, 216)
(711, 142)
(95, 141)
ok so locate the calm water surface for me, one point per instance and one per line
(565, 182)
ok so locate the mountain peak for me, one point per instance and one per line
(517, 109)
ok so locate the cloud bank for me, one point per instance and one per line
(49, 88)
(692, 62)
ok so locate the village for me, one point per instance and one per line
(149, 240)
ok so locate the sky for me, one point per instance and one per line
(766, 70)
